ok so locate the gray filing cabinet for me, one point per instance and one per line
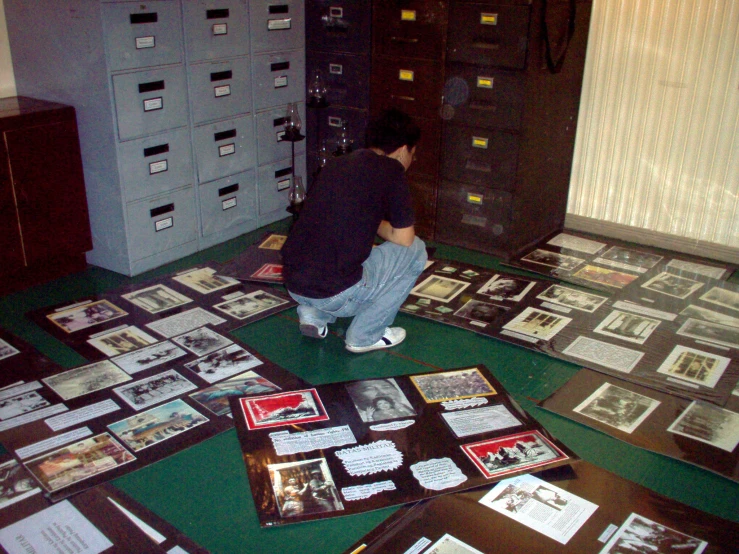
(172, 100)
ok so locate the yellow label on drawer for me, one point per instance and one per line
(407, 15)
(405, 75)
(485, 82)
(488, 19)
(473, 198)
(479, 142)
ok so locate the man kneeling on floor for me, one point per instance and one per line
(329, 264)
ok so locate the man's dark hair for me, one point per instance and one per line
(390, 130)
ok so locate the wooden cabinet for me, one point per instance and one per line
(44, 225)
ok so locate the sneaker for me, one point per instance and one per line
(313, 332)
(391, 337)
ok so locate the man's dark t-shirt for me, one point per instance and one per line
(337, 226)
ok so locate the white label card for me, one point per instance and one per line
(158, 167)
(145, 42)
(226, 149)
(223, 90)
(153, 104)
(220, 29)
(281, 82)
(163, 224)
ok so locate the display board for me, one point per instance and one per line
(574, 509)
(696, 432)
(20, 361)
(358, 446)
(260, 262)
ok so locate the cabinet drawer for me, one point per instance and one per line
(414, 86)
(278, 78)
(471, 216)
(327, 125)
(273, 184)
(346, 76)
(489, 34)
(338, 25)
(409, 28)
(427, 151)
(154, 165)
(224, 148)
(161, 223)
(220, 89)
(480, 156)
(216, 29)
(228, 202)
(140, 35)
(277, 25)
(149, 102)
(483, 97)
(270, 131)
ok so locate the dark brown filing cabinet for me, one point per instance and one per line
(44, 225)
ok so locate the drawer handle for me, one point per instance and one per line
(151, 87)
(279, 122)
(282, 172)
(155, 150)
(483, 107)
(162, 210)
(404, 40)
(476, 166)
(407, 98)
(139, 18)
(279, 66)
(228, 190)
(223, 135)
(221, 76)
(482, 45)
(217, 14)
(282, 8)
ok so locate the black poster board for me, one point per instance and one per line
(259, 262)
(19, 361)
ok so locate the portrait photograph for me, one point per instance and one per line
(508, 287)
(303, 488)
(572, 298)
(379, 400)
(553, 259)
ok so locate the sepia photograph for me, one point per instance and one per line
(710, 332)
(6, 350)
(709, 315)
(617, 407)
(148, 357)
(536, 323)
(223, 363)
(507, 287)
(86, 315)
(204, 280)
(672, 285)
(248, 305)
(157, 298)
(572, 298)
(722, 297)
(121, 340)
(287, 408)
(552, 259)
(215, 398)
(708, 423)
(16, 484)
(86, 379)
(607, 277)
(694, 366)
(273, 242)
(639, 534)
(627, 326)
(202, 341)
(379, 400)
(153, 390)
(452, 385)
(303, 488)
(441, 289)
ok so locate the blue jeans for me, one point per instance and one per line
(388, 276)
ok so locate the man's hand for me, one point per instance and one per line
(403, 237)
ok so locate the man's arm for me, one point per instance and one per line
(403, 237)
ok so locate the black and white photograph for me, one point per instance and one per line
(156, 298)
(705, 314)
(506, 287)
(538, 324)
(248, 305)
(304, 487)
(121, 340)
(6, 350)
(379, 400)
(215, 398)
(152, 390)
(553, 259)
(708, 423)
(639, 534)
(148, 357)
(695, 366)
(205, 280)
(480, 311)
(21, 404)
(86, 379)
(86, 315)
(572, 298)
(630, 260)
(441, 289)
(710, 271)
(672, 285)
(16, 484)
(452, 385)
(202, 341)
(449, 544)
(157, 425)
(223, 363)
(710, 332)
(617, 407)
(722, 297)
(627, 326)
(580, 244)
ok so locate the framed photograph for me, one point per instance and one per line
(672, 285)
(215, 398)
(6, 350)
(709, 424)
(269, 272)
(148, 357)
(121, 340)
(617, 407)
(223, 363)
(710, 332)
(273, 242)
(249, 305)
(571, 242)
(287, 408)
(21, 404)
(572, 298)
(157, 425)
(630, 260)
(627, 326)
(538, 324)
(722, 297)
(477, 311)
(16, 484)
(694, 366)
(553, 260)
(152, 390)
(86, 379)
(709, 315)
(511, 454)
(379, 400)
(441, 289)
(607, 277)
(202, 341)
(86, 315)
(204, 280)
(507, 287)
(639, 534)
(157, 298)
(76, 462)
(303, 488)
(452, 385)
(183, 322)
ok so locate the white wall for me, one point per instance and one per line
(7, 82)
